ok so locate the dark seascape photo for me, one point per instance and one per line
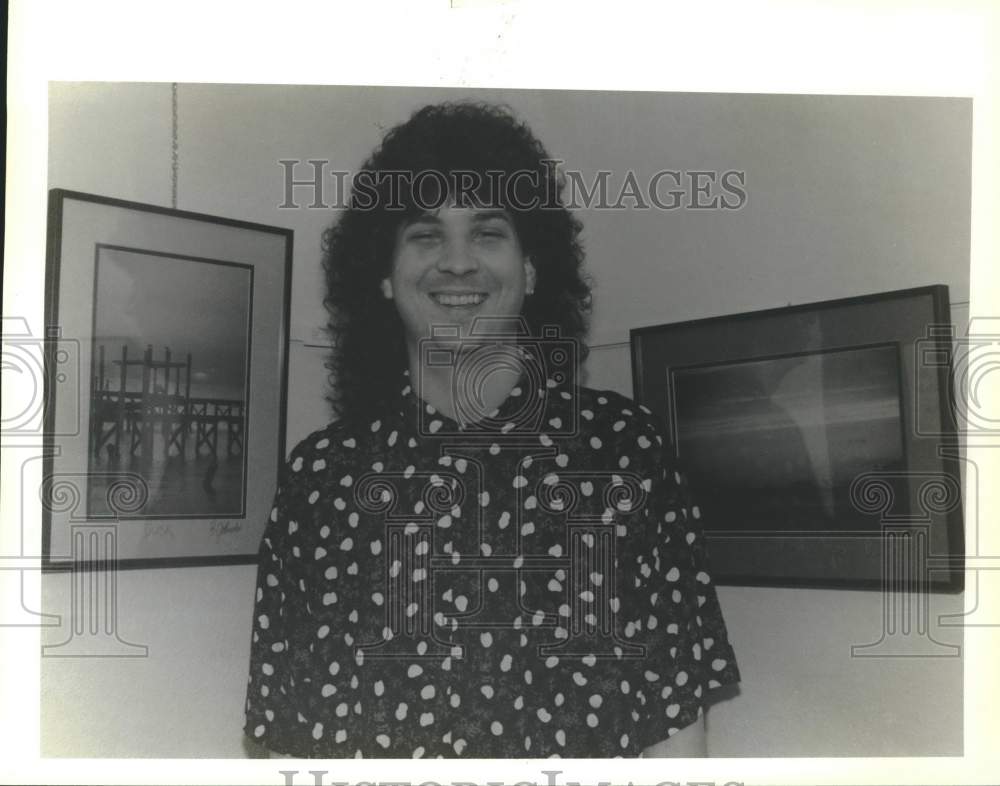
(774, 444)
(169, 383)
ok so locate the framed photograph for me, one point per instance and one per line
(812, 435)
(167, 365)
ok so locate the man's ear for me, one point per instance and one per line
(387, 288)
(529, 276)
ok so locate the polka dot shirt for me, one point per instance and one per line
(530, 584)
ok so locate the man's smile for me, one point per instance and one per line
(458, 299)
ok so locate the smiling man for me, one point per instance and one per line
(454, 267)
(480, 557)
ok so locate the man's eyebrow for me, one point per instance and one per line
(422, 218)
(487, 215)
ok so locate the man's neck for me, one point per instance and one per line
(464, 387)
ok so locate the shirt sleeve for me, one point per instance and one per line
(689, 652)
(270, 719)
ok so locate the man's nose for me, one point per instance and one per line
(457, 257)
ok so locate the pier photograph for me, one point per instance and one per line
(169, 383)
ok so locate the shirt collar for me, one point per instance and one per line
(525, 410)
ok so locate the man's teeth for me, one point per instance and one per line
(459, 300)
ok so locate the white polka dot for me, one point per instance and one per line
(383, 740)
(317, 731)
(592, 720)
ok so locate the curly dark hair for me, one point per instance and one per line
(369, 351)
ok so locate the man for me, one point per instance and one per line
(480, 557)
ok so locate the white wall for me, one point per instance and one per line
(846, 196)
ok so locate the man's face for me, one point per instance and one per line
(454, 265)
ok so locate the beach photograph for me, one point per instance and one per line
(169, 385)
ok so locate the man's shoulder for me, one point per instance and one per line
(324, 444)
(600, 406)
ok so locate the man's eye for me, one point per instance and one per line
(423, 235)
(491, 233)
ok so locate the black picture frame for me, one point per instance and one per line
(815, 437)
(166, 352)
